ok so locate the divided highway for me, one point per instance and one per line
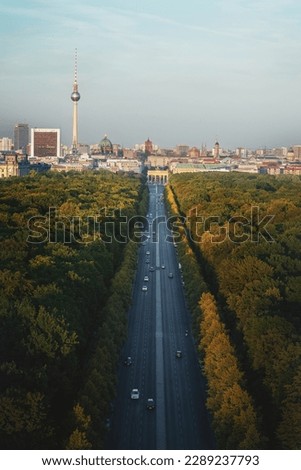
(158, 320)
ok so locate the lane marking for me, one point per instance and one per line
(160, 389)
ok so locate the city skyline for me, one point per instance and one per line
(178, 74)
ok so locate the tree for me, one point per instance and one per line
(289, 429)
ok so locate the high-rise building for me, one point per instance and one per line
(21, 137)
(5, 144)
(45, 142)
(75, 97)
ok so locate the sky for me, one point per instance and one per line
(177, 72)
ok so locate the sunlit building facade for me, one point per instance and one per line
(45, 142)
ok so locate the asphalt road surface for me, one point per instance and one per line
(158, 320)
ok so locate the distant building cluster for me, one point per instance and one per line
(41, 149)
(185, 159)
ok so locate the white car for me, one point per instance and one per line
(135, 394)
(147, 253)
(144, 288)
(146, 279)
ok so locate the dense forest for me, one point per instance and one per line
(240, 242)
(66, 270)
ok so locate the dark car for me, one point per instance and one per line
(150, 404)
(128, 361)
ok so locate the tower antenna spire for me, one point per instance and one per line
(75, 65)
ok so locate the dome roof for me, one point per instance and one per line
(105, 142)
(106, 145)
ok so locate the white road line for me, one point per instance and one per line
(160, 392)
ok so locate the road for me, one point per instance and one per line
(158, 320)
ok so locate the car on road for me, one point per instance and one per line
(144, 288)
(150, 404)
(135, 394)
(152, 269)
(146, 278)
(147, 261)
(147, 253)
(170, 275)
(179, 354)
(128, 361)
(163, 266)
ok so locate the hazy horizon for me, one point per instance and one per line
(178, 73)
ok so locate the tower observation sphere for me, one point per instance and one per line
(75, 96)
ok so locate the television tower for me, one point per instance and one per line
(75, 97)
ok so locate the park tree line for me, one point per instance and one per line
(234, 420)
(244, 232)
(62, 321)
